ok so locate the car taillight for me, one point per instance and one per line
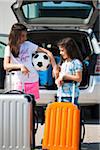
(97, 68)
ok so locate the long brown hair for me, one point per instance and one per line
(14, 36)
(71, 47)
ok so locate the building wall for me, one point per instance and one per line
(7, 17)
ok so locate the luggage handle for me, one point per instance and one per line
(36, 117)
(73, 89)
(60, 94)
(73, 93)
(83, 135)
(14, 92)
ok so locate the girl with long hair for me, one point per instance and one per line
(70, 70)
(18, 57)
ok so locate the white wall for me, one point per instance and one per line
(7, 17)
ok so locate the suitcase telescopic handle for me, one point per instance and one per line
(60, 93)
(73, 92)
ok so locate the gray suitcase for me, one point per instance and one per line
(16, 130)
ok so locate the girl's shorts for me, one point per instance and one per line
(29, 88)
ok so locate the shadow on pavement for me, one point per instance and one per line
(84, 146)
(90, 146)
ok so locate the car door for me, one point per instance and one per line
(73, 13)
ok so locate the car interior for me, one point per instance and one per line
(49, 41)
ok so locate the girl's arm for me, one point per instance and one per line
(57, 70)
(76, 77)
(10, 66)
(53, 62)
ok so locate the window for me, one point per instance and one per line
(56, 9)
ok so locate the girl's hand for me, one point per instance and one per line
(41, 49)
(24, 70)
(53, 62)
(59, 81)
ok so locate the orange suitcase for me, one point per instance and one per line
(62, 127)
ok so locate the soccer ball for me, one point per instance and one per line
(41, 61)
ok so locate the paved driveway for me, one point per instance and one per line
(91, 140)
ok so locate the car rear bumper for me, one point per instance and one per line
(90, 96)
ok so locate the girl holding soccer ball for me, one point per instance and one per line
(18, 56)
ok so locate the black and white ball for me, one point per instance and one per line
(41, 61)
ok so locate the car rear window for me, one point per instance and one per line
(56, 9)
